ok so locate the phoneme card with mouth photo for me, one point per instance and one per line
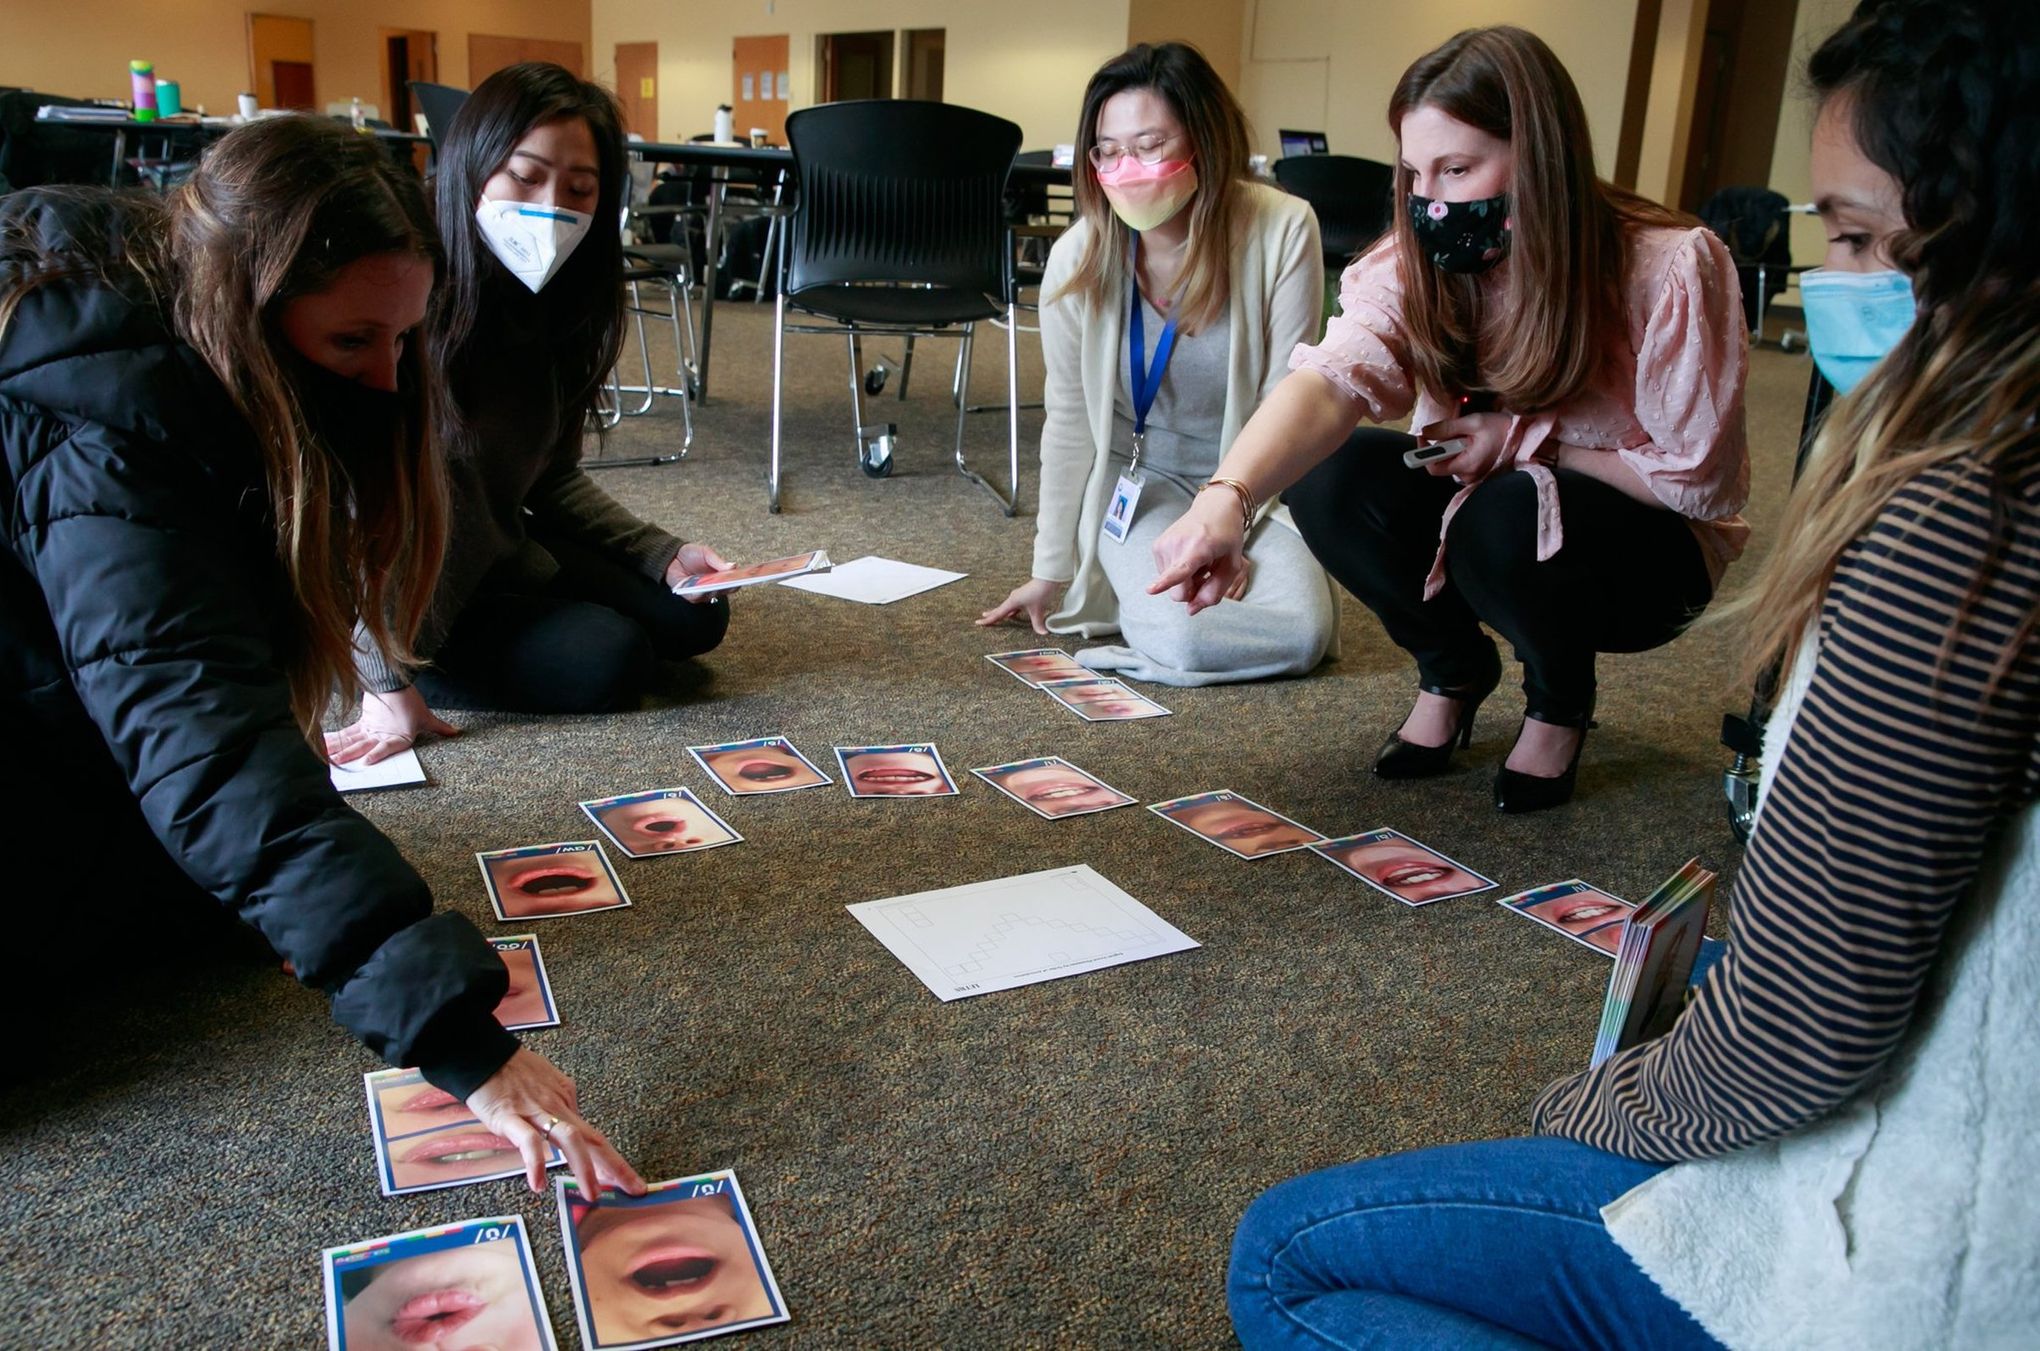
(547, 881)
(1396, 865)
(528, 1003)
(766, 764)
(1051, 787)
(1103, 699)
(679, 1263)
(425, 1287)
(912, 770)
(659, 822)
(1038, 665)
(425, 1138)
(753, 574)
(1238, 825)
(1587, 915)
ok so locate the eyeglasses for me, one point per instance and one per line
(1147, 149)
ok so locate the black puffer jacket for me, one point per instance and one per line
(138, 598)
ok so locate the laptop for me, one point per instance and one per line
(1302, 143)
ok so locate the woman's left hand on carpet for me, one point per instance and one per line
(389, 725)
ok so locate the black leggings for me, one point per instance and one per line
(1628, 578)
(589, 641)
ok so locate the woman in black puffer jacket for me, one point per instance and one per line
(213, 457)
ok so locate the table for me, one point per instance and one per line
(720, 159)
(210, 129)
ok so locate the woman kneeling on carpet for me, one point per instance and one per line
(212, 415)
(1581, 347)
(1848, 1103)
(554, 599)
(1167, 310)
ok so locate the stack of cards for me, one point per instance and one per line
(1053, 787)
(1235, 824)
(1647, 988)
(1102, 699)
(528, 1003)
(752, 574)
(546, 881)
(679, 1263)
(1396, 865)
(425, 1138)
(659, 822)
(466, 1284)
(1582, 912)
(767, 764)
(1039, 665)
(914, 770)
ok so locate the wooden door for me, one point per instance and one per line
(488, 54)
(408, 54)
(292, 81)
(280, 47)
(758, 92)
(637, 88)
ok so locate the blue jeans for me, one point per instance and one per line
(1497, 1243)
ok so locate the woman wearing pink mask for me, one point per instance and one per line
(1168, 312)
(1580, 350)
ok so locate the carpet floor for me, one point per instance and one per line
(1061, 1164)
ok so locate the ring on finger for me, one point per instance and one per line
(547, 1129)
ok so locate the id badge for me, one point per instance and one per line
(1125, 498)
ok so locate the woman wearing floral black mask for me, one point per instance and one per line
(554, 597)
(1541, 321)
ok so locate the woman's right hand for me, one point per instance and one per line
(1034, 599)
(389, 724)
(529, 1101)
(1202, 558)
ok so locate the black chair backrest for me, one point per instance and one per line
(900, 190)
(1751, 221)
(32, 154)
(1352, 197)
(439, 102)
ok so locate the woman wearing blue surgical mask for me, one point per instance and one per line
(554, 598)
(1834, 1146)
(1168, 310)
(1575, 353)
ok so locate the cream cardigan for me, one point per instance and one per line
(1277, 301)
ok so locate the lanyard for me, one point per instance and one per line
(1143, 384)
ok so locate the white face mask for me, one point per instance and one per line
(531, 240)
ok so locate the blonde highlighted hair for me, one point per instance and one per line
(1216, 129)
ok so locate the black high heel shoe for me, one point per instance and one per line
(1399, 759)
(1517, 793)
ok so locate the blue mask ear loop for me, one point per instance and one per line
(1143, 385)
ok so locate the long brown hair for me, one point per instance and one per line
(1940, 96)
(275, 211)
(1562, 296)
(1217, 131)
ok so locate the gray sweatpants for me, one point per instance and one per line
(1283, 625)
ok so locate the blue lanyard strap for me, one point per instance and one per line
(1144, 384)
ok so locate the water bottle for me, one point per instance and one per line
(725, 125)
(356, 116)
(142, 75)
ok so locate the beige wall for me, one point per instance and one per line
(1668, 115)
(1026, 61)
(1215, 27)
(1331, 64)
(82, 47)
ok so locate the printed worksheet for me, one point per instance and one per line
(1011, 931)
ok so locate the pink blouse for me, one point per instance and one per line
(1668, 398)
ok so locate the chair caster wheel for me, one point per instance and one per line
(874, 381)
(875, 448)
(875, 466)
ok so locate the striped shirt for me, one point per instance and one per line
(1900, 766)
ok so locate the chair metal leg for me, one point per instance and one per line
(856, 388)
(778, 376)
(906, 369)
(961, 388)
(1009, 501)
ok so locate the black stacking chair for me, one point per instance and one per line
(900, 231)
(439, 102)
(1351, 196)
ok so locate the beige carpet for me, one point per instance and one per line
(1056, 1165)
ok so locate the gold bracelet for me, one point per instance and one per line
(1246, 497)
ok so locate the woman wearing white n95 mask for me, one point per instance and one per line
(1168, 311)
(554, 598)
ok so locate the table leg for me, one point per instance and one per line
(119, 155)
(719, 179)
